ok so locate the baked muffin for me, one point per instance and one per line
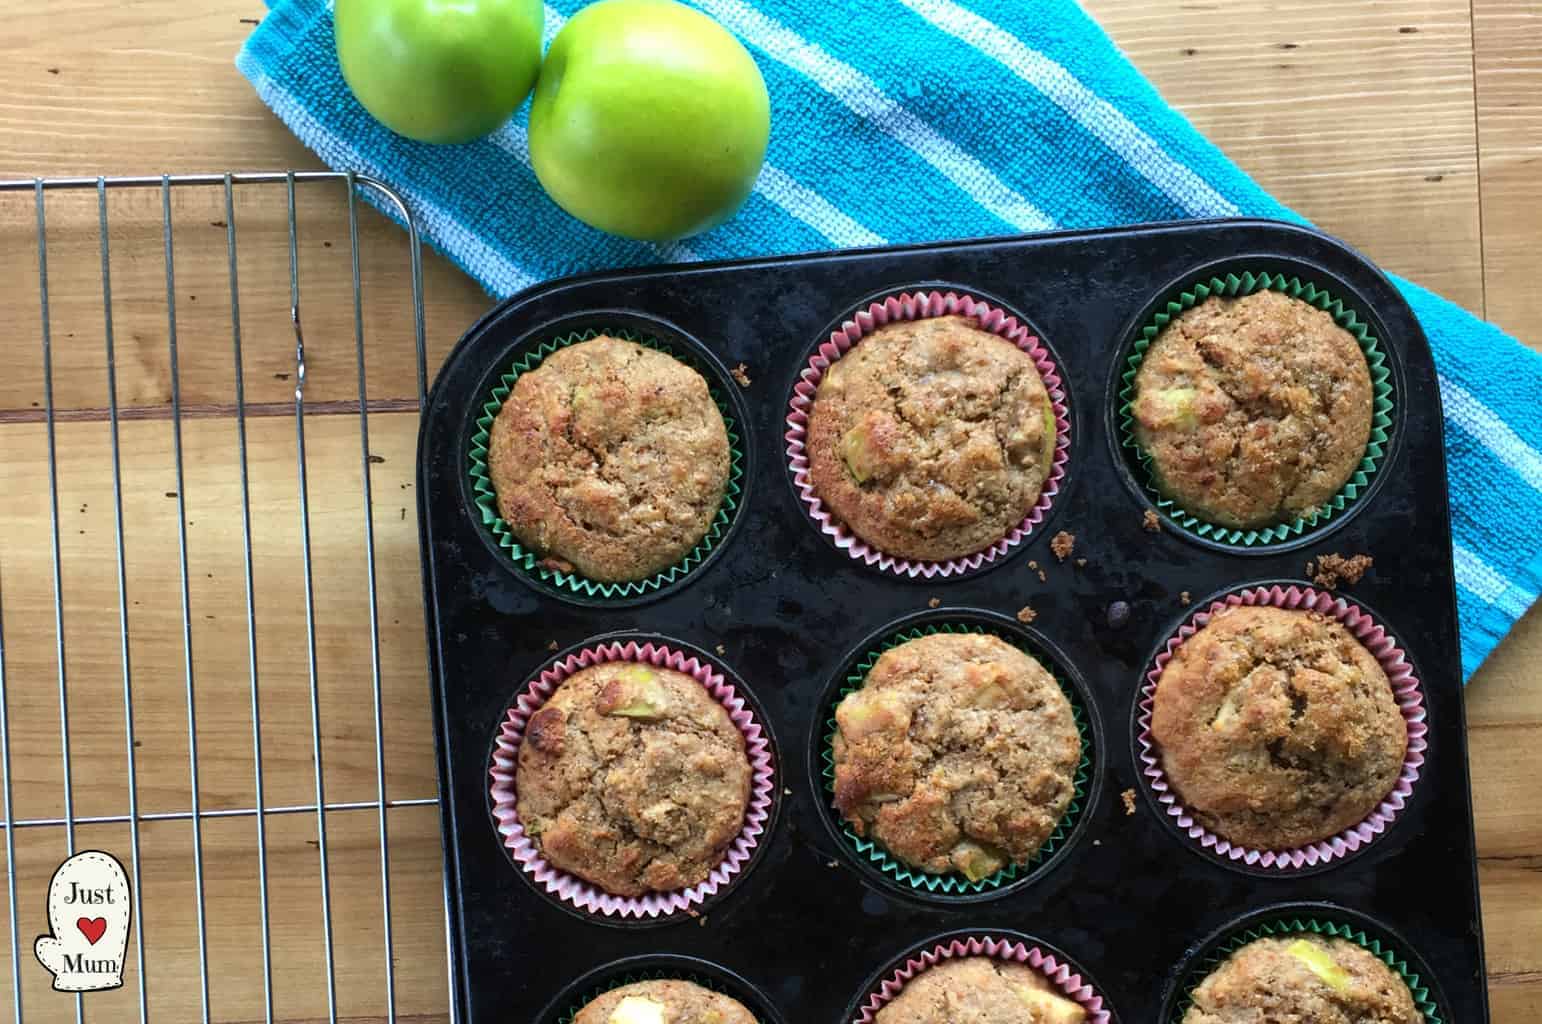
(1306, 977)
(663, 1002)
(1277, 728)
(931, 439)
(609, 459)
(1254, 410)
(633, 778)
(980, 990)
(958, 753)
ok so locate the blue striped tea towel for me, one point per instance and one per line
(887, 130)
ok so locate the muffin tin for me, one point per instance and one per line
(808, 928)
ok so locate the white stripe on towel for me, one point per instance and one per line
(864, 97)
(813, 209)
(1482, 579)
(1465, 410)
(1099, 117)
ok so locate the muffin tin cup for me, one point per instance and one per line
(1065, 976)
(1305, 919)
(1234, 285)
(661, 967)
(954, 884)
(574, 891)
(1406, 690)
(898, 308)
(531, 563)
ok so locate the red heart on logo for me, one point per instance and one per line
(92, 928)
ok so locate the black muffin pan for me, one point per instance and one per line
(1127, 898)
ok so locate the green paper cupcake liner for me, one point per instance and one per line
(955, 883)
(486, 499)
(1296, 925)
(589, 995)
(1237, 285)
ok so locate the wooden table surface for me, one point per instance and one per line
(1412, 129)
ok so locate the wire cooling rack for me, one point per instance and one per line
(211, 638)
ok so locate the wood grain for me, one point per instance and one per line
(1359, 116)
(1508, 38)
(1409, 129)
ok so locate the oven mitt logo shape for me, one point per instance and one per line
(88, 911)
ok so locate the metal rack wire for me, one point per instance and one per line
(197, 814)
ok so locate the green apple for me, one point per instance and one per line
(650, 120)
(440, 70)
(1320, 963)
(637, 1010)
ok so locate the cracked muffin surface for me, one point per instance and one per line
(665, 1001)
(609, 458)
(1253, 410)
(980, 990)
(1290, 979)
(1276, 727)
(931, 439)
(958, 753)
(633, 778)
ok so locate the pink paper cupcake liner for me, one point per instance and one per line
(575, 891)
(1405, 689)
(1062, 975)
(922, 306)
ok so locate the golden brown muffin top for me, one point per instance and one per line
(931, 439)
(958, 753)
(1277, 728)
(980, 990)
(1254, 410)
(609, 458)
(1298, 978)
(664, 1002)
(633, 778)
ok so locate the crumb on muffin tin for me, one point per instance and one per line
(1329, 570)
(1063, 544)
